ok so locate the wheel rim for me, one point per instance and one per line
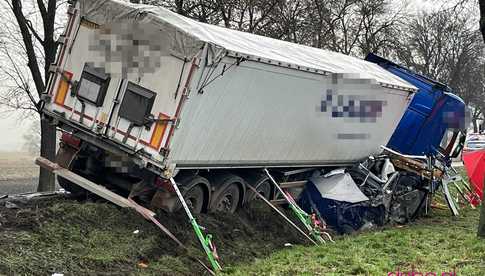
(225, 204)
(228, 200)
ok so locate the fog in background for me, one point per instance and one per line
(12, 131)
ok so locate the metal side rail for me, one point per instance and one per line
(129, 203)
(280, 213)
(460, 183)
(449, 198)
(452, 178)
(305, 218)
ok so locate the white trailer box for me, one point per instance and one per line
(177, 93)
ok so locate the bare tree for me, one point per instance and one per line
(29, 48)
(481, 224)
(445, 45)
(482, 17)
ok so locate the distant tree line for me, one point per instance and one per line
(443, 44)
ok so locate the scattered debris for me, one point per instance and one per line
(11, 205)
(143, 264)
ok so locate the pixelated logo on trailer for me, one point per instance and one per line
(351, 98)
(123, 49)
(351, 106)
(360, 108)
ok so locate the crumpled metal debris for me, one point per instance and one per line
(11, 205)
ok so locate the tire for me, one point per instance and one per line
(228, 196)
(228, 199)
(263, 188)
(78, 164)
(74, 190)
(194, 198)
(66, 157)
(194, 190)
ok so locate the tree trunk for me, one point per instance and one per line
(47, 150)
(481, 223)
(482, 17)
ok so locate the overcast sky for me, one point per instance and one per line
(12, 129)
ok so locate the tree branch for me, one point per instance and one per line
(29, 46)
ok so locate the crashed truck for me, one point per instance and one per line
(175, 113)
(416, 163)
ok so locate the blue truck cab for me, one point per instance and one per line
(435, 119)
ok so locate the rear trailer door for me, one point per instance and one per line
(134, 110)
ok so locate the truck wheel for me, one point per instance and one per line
(194, 198)
(195, 192)
(228, 200)
(67, 158)
(263, 188)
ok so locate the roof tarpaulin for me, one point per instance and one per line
(185, 37)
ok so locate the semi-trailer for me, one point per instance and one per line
(143, 95)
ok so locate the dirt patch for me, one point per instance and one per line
(61, 235)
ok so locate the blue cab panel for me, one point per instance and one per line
(433, 110)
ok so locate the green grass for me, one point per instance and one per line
(82, 239)
(437, 243)
(97, 238)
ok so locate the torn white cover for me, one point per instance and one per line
(186, 36)
(340, 187)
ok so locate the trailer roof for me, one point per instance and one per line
(187, 36)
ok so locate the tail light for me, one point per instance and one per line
(159, 131)
(164, 184)
(63, 87)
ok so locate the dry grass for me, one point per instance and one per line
(17, 165)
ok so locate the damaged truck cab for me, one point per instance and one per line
(434, 123)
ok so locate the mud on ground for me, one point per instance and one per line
(61, 235)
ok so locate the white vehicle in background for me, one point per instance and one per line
(474, 142)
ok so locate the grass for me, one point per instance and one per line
(97, 238)
(438, 243)
(65, 236)
(86, 240)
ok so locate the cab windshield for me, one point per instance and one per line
(452, 143)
